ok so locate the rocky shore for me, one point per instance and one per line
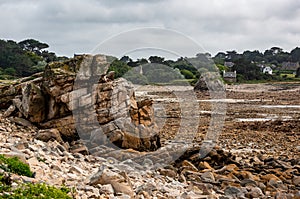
(134, 154)
(221, 174)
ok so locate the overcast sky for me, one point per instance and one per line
(78, 26)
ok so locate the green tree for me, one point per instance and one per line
(119, 67)
(49, 56)
(254, 56)
(156, 59)
(220, 58)
(248, 70)
(125, 59)
(33, 45)
(232, 56)
(24, 57)
(10, 71)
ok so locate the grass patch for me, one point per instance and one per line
(287, 75)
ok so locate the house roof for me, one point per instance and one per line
(268, 68)
(290, 66)
(228, 64)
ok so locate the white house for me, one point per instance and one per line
(268, 70)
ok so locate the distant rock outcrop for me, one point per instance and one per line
(209, 81)
(80, 100)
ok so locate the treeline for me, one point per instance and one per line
(24, 58)
(247, 64)
(20, 59)
(274, 55)
(156, 69)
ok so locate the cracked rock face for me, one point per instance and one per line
(80, 100)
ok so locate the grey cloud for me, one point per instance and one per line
(73, 26)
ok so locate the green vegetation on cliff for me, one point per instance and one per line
(24, 58)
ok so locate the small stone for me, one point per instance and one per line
(119, 181)
(204, 165)
(9, 111)
(144, 194)
(255, 192)
(33, 161)
(148, 187)
(269, 177)
(232, 191)
(75, 169)
(208, 177)
(248, 182)
(168, 172)
(56, 167)
(107, 189)
(296, 180)
(79, 149)
(188, 165)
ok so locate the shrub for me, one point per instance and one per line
(40, 191)
(187, 74)
(14, 165)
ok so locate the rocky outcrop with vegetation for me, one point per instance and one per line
(50, 101)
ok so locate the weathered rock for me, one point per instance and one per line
(8, 91)
(204, 165)
(201, 85)
(33, 103)
(296, 180)
(107, 189)
(79, 99)
(233, 191)
(208, 177)
(168, 172)
(21, 121)
(255, 192)
(119, 181)
(209, 81)
(49, 134)
(9, 111)
(65, 125)
(188, 165)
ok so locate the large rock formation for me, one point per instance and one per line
(80, 100)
